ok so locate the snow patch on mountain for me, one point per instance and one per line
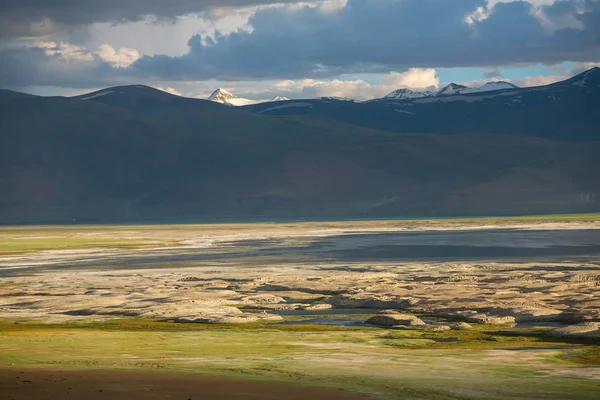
(289, 105)
(97, 95)
(401, 94)
(224, 97)
(451, 89)
(336, 98)
(497, 85)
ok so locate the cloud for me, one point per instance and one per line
(170, 90)
(298, 42)
(378, 36)
(582, 67)
(47, 63)
(414, 78)
(44, 17)
(493, 73)
(540, 80)
(121, 58)
(358, 89)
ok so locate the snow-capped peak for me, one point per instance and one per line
(497, 85)
(407, 94)
(448, 90)
(279, 98)
(335, 98)
(224, 97)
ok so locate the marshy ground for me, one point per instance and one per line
(506, 307)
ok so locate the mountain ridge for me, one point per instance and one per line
(134, 153)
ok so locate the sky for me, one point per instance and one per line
(260, 49)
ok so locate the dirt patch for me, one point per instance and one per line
(21, 384)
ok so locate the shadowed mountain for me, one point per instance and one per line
(136, 153)
(563, 111)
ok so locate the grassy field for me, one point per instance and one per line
(383, 363)
(91, 228)
(18, 245)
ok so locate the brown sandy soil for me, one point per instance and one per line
(18, 384)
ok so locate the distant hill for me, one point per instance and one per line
(135, 153)
(564, 111)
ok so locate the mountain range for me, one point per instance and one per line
(563, 111)
(449, 90)
(224, 97)
(134, 153)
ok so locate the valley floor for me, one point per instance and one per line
(493, 308)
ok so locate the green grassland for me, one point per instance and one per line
(20, 245)
(225, 224)
(387, 364)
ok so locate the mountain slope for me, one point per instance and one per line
(140, 154)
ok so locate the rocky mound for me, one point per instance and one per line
(371, 301)
(390, 318)
(587, 329)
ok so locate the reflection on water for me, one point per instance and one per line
(485, 245)
(344, 321)
(456, 245)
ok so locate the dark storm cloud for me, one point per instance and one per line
(40, 17)
(375, 36)
(385, 35)
(493, 73)
(20, 67)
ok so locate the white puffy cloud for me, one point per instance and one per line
(581, 67)
(121, 58)
(560, 75)
(540, 80)
(360, 89)
(67, 52)
(492, 3)
(478, 15)
(170, 90)
(64, 51)
(152, 37)
(318, 88)
(414, 78)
